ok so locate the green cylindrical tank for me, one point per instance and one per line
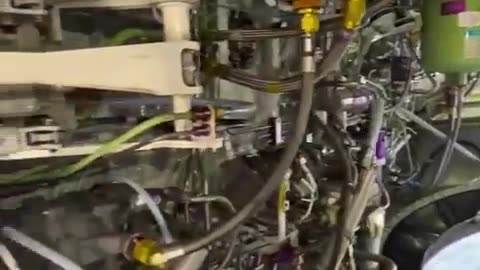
(451, 36)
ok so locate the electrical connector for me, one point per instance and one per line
(203, 123)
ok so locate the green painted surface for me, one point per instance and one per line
(446, 46)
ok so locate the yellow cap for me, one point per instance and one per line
(310, 22)
(148, 253)
(354, 11)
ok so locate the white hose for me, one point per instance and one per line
(39, 248)
(152, 206)
(8, 258)
(310, 201)
(308, 174)
(311, 185)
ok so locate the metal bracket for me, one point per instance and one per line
(7, 7)
(155, 69)
(45, 138)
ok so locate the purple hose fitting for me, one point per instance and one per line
(381, 149)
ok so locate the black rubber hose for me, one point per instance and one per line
(225, 202)
(385, 263)
(336, 142)
(350, 179)
(272, 183)
(378, 6)
(341, 41)
(455, 124)
(284, 164)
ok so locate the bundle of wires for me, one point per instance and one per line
(341, 40)
(260, 84)
(44, 173)
(255, 34)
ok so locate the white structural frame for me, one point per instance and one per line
(176, 25)
(155, 68)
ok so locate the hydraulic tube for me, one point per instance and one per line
(40, 249)
(158, 256)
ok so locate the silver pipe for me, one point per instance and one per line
(385, 263)
(152, 206)
(436, 132)
(219, 199)
(8, 258)
(40, 249)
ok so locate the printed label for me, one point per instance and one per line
(469, 19)
(472, 44)
(454, 7)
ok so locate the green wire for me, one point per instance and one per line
(23, 173)
(40, 173)
(124, 36)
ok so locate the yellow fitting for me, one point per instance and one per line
(272, 88)
(219, 112)
(354, 11)
(148, 253)
(310, 22)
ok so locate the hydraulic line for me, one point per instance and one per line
(7, 258)
(170, 252)
(40, 249)
(228, 205)
(212, 198)
(152, 206)
(385, 263)
(355, 204)
(331, 61)
(376, 122)
(342, 39)
(437, 133)
(352, 214)
(337, 144)
(350, 180)
(341, 42)
(265, 85)
(456, 123)
(272, 183)
(257, 34)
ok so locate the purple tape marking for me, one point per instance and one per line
(454, 7)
